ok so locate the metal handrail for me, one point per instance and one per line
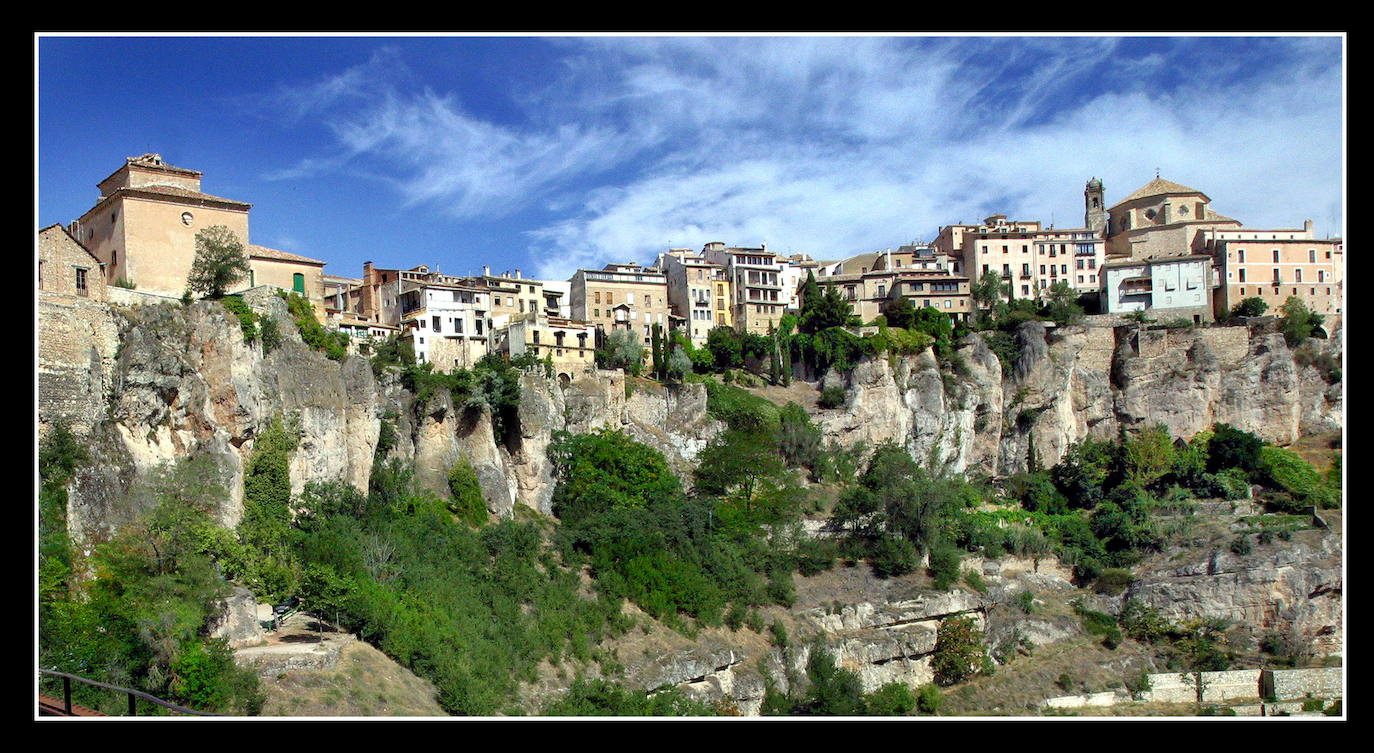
(133, 695)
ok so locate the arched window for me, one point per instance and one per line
(298, 282)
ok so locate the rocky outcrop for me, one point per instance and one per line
(1072, 383)
(1293, 587)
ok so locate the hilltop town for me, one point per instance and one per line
(1161, 252)
(1013, 470)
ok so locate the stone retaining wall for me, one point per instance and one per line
(1289, 684)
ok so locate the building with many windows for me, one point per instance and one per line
(1029, 257)
(1274, 264)
(698, 293)
(758, 279)
(621, 296)
(569, 345)
(1168, 287)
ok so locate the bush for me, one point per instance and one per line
(466, 500)
(247, 319)
(1241, 545)
(958, 651)
(1025, 601)
(944, 566)
(975, 581)
(895, 556)
(892, 699)
(831, 397)
(1286, 470)
(1064, 682)
(929, 698)
(1113, 581)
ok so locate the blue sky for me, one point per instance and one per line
(553, 153)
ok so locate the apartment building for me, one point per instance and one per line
(1275, 264)
(447, 319)
(1169, 287)
(621, 296)
(1030, 257)
(698, 293)
(758, 280)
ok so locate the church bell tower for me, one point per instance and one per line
(1094, 207)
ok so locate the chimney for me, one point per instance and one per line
(517, 273)
(486, 271)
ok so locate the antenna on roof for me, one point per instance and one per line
(1156, 172)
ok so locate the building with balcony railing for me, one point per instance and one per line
(1168, 287)
(621, 296)
(568, 344)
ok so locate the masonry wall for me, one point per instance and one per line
(77, 343)
(1173, 687)
(1287, 684)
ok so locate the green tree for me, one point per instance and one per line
(959, 651)
(1299, 322)
(1233, 448)
(1148, 456)
(220, 262)
(1250, 307)
(622, 349)
(900, 313)
(823, 311)
(658, 361)
(466, 500)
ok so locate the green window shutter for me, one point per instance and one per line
(298, 282)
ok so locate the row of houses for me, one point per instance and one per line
(1161, 249)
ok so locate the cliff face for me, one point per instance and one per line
(149, 385)
(1077, 382)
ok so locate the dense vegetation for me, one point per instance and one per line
(140, 617)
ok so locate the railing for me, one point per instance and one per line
(133, 695)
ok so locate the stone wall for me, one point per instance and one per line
(1288, 684)
(77, 342)
(1175, 687)
(135, 297)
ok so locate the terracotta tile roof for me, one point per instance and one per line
(1160, 187)
(177, 192)
(263, 252)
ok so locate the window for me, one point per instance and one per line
(1297, 275)
(1277, 277)
(1311, 255)
(1276, 256)
(1242, 277)
(437, 328)
(81, 282)
(298, 282)
(1240, 255)
(40, 275)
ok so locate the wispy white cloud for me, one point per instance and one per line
(834, 146)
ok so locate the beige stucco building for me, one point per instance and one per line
(758, 281)
(621, 296)
(66, 267)
(698, 293)
(143, 230)
(1028, 256)
(1274, 264)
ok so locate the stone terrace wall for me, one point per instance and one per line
(1285, 684)
(77, 342)
(1172, 687)
(134, 297)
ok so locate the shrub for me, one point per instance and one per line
(894, 556)
(892, 699)
(1138, 684)
(1064, 682)
(929, 698)
(1287, 470)
(958, 651)
(1099, 623)
(247, 319)
(1025, 601)
(1113, 581)
(975, 580)
(831, 397)
(944, 566)
(1241, 545)
(466, 500)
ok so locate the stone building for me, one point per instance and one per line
(568, 344)
(1171, 287)
(1161, 218)
(1029, 257)
(621, 296)
(758, 279)
(66, 267)
(143, 229)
